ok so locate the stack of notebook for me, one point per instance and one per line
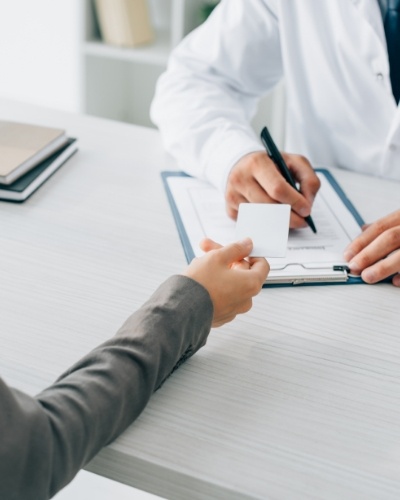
(29, 154)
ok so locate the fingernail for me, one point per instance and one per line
(304, 212)
(348, 255)
(247, 242)
(354, 267)
(396, 280)
(368, 276)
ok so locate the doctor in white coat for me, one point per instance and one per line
(341, 108)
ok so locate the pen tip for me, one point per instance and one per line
(310, 222)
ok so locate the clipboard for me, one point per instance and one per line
(305, 264)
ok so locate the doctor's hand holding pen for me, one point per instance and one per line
(375, 254)
(272, 177)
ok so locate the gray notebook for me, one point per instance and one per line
(23, 187)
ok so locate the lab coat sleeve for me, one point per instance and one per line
(205, 100)
(45, 440)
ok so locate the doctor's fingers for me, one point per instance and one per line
(279, 190)
(233, 199)
(384, 268)
(378, 251)
(255, 194)
(304, 174)
(256, 179)
(371, 232)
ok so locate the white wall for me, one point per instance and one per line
(39, 52)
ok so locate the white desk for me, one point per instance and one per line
(298, 399)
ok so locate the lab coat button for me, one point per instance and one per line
(379, 77)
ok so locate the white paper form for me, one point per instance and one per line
(202, 211)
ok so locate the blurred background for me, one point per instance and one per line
(101, 57)
(39, 52)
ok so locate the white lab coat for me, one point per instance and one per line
(332, 54)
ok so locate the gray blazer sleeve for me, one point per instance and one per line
(45, 440)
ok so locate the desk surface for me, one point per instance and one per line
(298, 399)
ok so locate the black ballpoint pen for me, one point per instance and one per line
(276, 157)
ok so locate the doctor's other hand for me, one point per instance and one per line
(256, 179)
(230, 280)
(375, 254)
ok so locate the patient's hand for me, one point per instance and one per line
(230, 278)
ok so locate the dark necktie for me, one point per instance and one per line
(392, 31)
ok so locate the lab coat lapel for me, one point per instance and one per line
(369, 10)
(371, 14)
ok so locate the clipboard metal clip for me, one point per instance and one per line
(342, 268)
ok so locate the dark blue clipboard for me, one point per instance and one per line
(190, 255)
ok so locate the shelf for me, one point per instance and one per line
(119, 82)
(155, 53)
